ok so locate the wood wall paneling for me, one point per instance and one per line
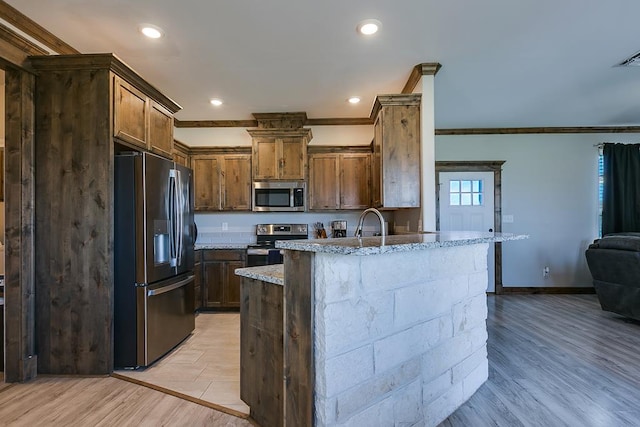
(74, 222)
(261, 351)
(298, 338)
(19, 288)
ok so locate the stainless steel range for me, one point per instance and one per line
(264, 252)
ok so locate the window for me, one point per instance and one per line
(465, 193)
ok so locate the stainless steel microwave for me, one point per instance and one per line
(279, 196)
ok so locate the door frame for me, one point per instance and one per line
(494, 166)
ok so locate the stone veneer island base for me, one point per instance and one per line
(380, 331)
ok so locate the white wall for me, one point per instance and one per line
(322, 135)
(550, 186)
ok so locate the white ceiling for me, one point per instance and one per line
(505, 63)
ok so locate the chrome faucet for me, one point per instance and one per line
(364, 213)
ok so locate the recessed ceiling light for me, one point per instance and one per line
(368, 27)
(353, 99)
(216, 102)
(151, 31)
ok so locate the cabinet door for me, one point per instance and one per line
(265, 161)
(129, 114)
(401, 156)
(213, 285)
(293, 158)
(206, 182)
(197, 272)
(324, 191)
(236, 182)
(181, 158)
(232, 284)
(355, 186)
(160, 130)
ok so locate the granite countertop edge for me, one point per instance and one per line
(199, 246)
(396, 243)
(273, 273)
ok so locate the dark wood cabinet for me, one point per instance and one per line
(197, 272)
(220, 285)
(396, 151)
(86, 107)
(181, 154)
(340, 180)
(140, 121)
(222, 181)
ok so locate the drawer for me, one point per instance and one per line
(224, 255)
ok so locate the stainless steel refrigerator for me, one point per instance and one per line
(153, 264)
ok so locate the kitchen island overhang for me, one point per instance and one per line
(384, 330)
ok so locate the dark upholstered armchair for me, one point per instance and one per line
(614, 262)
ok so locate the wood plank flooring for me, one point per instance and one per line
(103, 401)
(556, 360)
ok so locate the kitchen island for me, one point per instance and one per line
(379, 330)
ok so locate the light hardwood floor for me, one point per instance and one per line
(556, 360)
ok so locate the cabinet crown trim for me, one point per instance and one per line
(102, 61)
(282, 133)
(394, 99)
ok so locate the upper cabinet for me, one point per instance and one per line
(280, 146)
(181, 154)
(222, 180)
(140, 120)
(396, 151)
(340, 178)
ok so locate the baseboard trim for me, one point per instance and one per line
(547, 290)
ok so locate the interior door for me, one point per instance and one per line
(467, 204)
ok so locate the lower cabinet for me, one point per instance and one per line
(220, 285)
(197, 272)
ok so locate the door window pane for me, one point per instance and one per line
(465, 193)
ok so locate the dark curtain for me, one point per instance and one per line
(621, 197)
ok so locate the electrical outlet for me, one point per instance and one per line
(225, 226)
(545, 272)
(507, 219)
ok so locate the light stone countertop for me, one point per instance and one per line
(396, 243)
(199, 246)
(267, 273)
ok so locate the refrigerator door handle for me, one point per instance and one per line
(179, 217)
(173, 217)
(171, 287)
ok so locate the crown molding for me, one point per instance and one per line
(424, 69)
(539, 130)
(16, 49)
(32, 29)
(215, 123)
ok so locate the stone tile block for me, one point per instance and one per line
(463, 369)
(378, 414)
(436, 387)
(350, 324)
(427, 300)
(339, 278)
(470, 313)
(345, 371)
(457, 261)
(474, 380)
(438, 410)
(411, 342)
(395, 270)
(478, 282)
(407, 407)
(356, 399)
